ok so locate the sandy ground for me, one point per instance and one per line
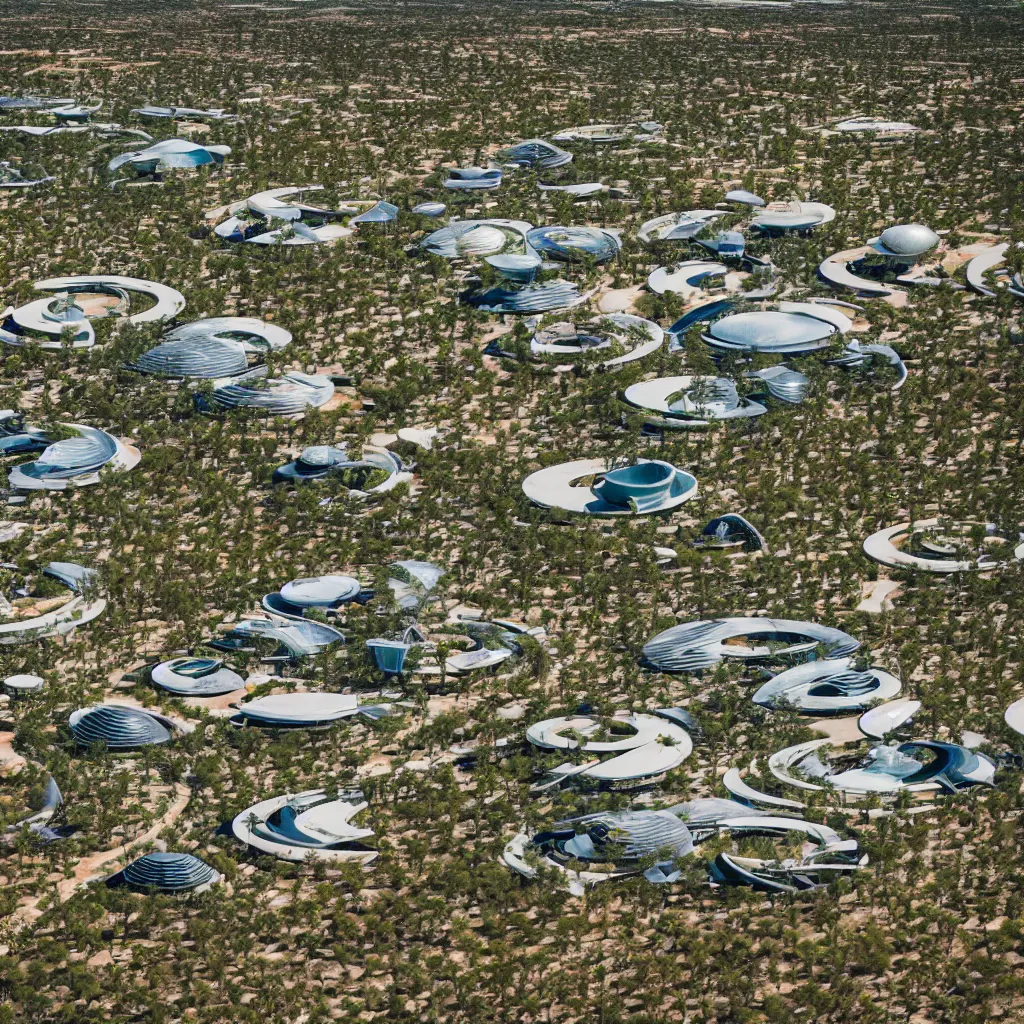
(10, 760)
(839, 730)
(878, 596)
(620, 300)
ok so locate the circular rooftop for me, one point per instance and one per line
(770, 331)
(907, 240)
(320, 591)
(23, 684)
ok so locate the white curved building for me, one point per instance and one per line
(827, 687)
(676, 227)
(644, 488)
(301, 710)
(46, 617)
(307, 825)
(941, 546)
(75, 461)
(631, 335)
(794, 328)
(169, 154)
(627, 751)
(196, 677)
(682, 403)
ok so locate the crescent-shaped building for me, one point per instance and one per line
(74, 461)
(196, 677)
(306, 826)
(169, 154)
(683, 403)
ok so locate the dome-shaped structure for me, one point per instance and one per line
(119, 727)
(905, 240)
(169, 872)
(207, 359)
(770, 331)
(253, 334)
(283, 396)
(573, 244)
(536, 153)
(170, 153)
(77, 459)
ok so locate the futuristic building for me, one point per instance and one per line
(54, 319)
(620, 337)
(75, 461)
(623, 752)
(881, 721)
(743, 197)
(196, 677)
(799, 217)
(917, 766)
(24, 685)
(303, 710)
(686, 277)
(184, 113)
(120, 727)
(864, 269)
(676, 227)
(307, 826)
(289, 395)
(782, 383)
(992, 261)
(202, 359)
(468, 239)
(693, 646)
(579, 191)
(535, 153)
(326, 594)
(644, 488)
(166, 873)
(25, 617)
(731, 532)
(33, 102)
(169, 154)
(828, 687)
(1014, 716)
(375, 471)
(212, 348)
(429, 209)
(295, 639)
(412, 583)
(11, 177)
(634, 131)
(682, 403)
(529, 299)
(941, 546)
(478, 645)
(472, 179)
(794, 328)
(574, 244)
(280, 216)
(39, 821)
(608, 845)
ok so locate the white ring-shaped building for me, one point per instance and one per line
(196, 677)
(690, 402)
(75, 461)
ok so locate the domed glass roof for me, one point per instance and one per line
(771, 331)
(907, 239)
(482, 240)
(169, 872)
(119, 727)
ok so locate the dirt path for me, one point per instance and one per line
(95, 865)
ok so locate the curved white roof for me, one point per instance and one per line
(253, 334)
(985, 261)
(879, 722)
(734, 783)
(303, 708)
(1014, 716)
(882, 547)
(819, 311)
(905, 240)
(554, 488)
(828, 685)
(320, 591)
(169, 302)
(771, 331)
(836, 270)
(684, 277)
(673, 227)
